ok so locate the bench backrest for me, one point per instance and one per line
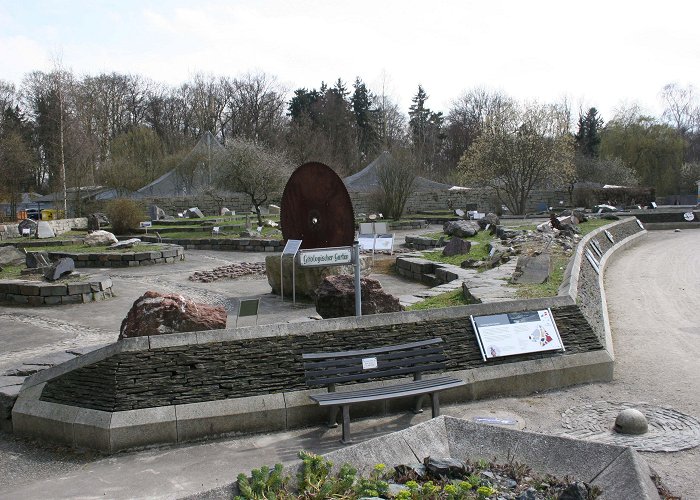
(329, 368)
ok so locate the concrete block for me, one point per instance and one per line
(39, 419)
(91, 429)
(46, 290)
(144, 427)
(262, 413)
(428, 439)
(626, 477)
(172, 340)
(302, 411)
(555, 455)
(391, 449)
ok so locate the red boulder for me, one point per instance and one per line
(156, 314)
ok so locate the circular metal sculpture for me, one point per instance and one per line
(316, 208)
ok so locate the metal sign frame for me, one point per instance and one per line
(248, 307)
(290, 248)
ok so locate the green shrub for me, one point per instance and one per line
(124, 215)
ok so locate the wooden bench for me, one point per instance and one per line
(331, 368)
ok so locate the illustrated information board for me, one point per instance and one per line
(516, 333)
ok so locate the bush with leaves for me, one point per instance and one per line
(124, 215)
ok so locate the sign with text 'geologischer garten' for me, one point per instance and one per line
(514, 333)
(336, 256)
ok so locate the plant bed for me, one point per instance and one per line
(72, 290)
(139, 255)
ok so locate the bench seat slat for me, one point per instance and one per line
(364, 352)
(387, 392)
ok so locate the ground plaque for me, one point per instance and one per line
(514, 333)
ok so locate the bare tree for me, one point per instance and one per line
(520, 156)
(253, 169)
(397, 177)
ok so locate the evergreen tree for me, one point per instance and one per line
(588, 135)
(365, 118)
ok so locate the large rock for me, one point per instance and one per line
(96, 221)
(100, 238)
(44, 230)
(457, 246)
(307, 279)
(27, 224)
(156, 314)
(10, 256)
(194, 213)
(461, 228)
(335, 297)
(62, 267)
(125, 243)
(489, 219)
(532, 269)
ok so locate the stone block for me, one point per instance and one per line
(144, 427)
(172, 340)
(46, 290)
(52, 301)
(20, 299)
(76, 288)
(35, 301)
(252, 414)
(29, 290)
(627, 476)
(72, 299)
(91, 429)
(47, 421)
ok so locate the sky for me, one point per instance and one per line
(607, 54)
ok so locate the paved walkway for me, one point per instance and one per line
(653, 297)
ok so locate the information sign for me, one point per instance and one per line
(516, 333)
(639, 223)
(689, 216)
(596, 248)
(609, 235)
(292, 247)
(146, 223)
(325, 257)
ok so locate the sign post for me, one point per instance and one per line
(291, 248)
(336, 256)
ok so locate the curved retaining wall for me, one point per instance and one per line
(223, 244)
(180, 387)
(34, 293)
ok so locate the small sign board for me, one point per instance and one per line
(336, 256)
(609, 235)
(291, 247)
(596, 247)
(248, 307)
(515, 333)
(26, 231)
(145, 223)
(215, 230)
(639, 223)
(369, 363)
(689, 216)
(592, 260)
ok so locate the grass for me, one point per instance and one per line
(447, 299)
(11, 272)
(549, 288)
(479, 250)
(593, 224)
(267, 232)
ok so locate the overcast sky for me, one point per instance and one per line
(597, 53)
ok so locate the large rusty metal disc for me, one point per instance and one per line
(316, 208)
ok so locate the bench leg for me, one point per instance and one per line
(333, 417)
(418, 405)
(435, 400)
(346, 425)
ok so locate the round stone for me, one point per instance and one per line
(631, 421)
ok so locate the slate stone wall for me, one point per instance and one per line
(167, 255)
(221, 370)
(52, 294)
(588, 295)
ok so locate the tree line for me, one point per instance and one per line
(124, 131)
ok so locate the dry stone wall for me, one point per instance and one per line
(220, 370)
(33, 293)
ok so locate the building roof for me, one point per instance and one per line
(367, 179)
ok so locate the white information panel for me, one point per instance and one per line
(369, 363)
(325, 257)
(292, 247)
(516, 333)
